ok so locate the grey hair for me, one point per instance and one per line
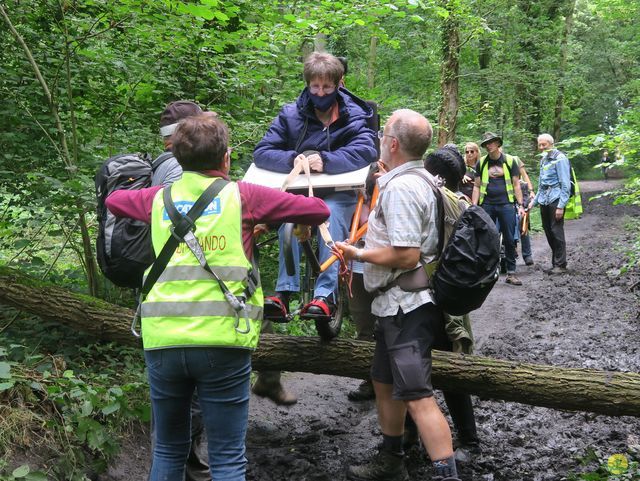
(546, 137)
(413, 131)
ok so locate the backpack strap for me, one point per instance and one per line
(186, 224)
(439, 203)
(161, 159)
(419, 279)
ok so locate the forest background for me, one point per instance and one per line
(81, 81)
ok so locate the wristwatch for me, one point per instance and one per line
(359, 255)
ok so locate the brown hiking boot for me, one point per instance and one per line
(275, 392)
(383, 466)
(364, 392)
(513, 280)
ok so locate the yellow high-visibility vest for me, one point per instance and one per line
(484, 177)
(186, 306)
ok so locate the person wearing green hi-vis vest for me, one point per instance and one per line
(554, 191)
(201, 317)
(497, 190)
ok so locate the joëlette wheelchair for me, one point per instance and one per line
(327, 326)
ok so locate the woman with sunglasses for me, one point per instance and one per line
(471, 154)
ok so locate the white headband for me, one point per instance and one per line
(168, 130)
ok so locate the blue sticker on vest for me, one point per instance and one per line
(183, 206)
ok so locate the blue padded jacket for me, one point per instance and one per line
(347, 144)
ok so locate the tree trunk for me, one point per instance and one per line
(320, 42)
(447, 118)
(562, 66)
(371, 62)
(69, 160)
(484, 60)
(611, 393)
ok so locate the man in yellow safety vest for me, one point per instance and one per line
(497, 191)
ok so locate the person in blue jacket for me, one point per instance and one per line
(328, 125)
(554, 190)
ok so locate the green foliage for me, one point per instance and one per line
(75, 398)
(111, 66)
(608, 467)
(633, 249)
(21, 473)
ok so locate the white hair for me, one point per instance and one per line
(546, 137)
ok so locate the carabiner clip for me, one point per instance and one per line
(134, 322)
(246, 322)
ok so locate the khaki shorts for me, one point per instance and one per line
(402, 355)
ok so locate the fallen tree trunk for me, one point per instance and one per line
(611, 393)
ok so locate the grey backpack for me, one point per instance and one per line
(123, 248)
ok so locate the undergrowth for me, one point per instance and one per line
(598, 466)
(67, 396)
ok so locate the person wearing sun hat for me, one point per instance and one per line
(497, 191)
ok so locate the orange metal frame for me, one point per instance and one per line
(355, 233)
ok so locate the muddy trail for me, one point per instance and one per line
(586, 318)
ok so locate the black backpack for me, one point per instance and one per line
(469, 262)
(123, 248)
(469, 265)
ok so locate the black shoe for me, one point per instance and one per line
(467, 451)
(319, 308)
(276, 307)
(364, 392)
(558, 270)
(528, 260)
(383, 466)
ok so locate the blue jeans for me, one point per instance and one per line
(524, 239)
(342, 206)
(221, 377)
(505, 216)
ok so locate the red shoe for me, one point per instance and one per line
(276, 308)
(319, 308)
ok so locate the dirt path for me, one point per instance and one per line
(586, 318)
(583, 319)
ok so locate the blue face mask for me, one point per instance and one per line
(325, 102)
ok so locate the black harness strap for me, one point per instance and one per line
(185, 224)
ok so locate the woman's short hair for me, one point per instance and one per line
(200, 142)
(324, 66)
(448, 164)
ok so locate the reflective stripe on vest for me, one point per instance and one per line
(484, 177)
(186, 306)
